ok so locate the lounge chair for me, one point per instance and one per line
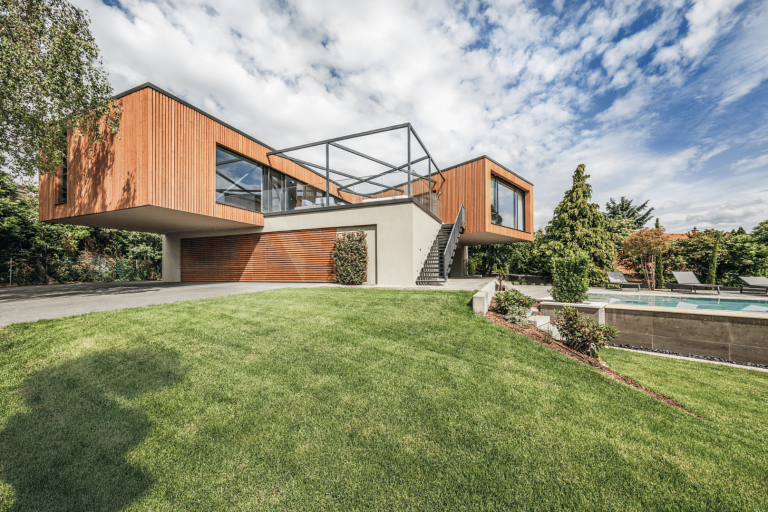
(690, 281)
(619, 279)
(761, 283)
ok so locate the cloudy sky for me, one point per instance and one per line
(666, 101)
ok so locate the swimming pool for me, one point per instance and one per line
(750, 305)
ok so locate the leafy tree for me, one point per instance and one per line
(625, 210)
(51, 82)
(647, 244)
(741, 255)
(694, 253)
(578, 226)
(494, 256)
(526, 257)
(761, 232)
(42, 250)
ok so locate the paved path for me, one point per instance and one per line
(30, 303)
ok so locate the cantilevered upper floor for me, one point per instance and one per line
(174, 168)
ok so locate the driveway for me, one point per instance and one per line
(30, 303)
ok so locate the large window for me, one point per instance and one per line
(507, 205)
(238, 181)
(243, 183)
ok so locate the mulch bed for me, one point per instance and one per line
(536, 334)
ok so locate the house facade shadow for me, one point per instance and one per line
(68, 451)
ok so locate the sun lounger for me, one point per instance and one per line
(755, 283)
(690, 281)
(618, 278)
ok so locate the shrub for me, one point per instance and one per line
(350, 256)
(580, 332)
(471, 266)
(571, 278)
(509, 298)
(517, 314)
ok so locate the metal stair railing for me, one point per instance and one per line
(453, 240)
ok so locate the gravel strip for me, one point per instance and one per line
(693, 357)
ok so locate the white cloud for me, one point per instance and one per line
(749, 164)
(508, 81)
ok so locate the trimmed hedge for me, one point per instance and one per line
(350, 256)
(571, 278)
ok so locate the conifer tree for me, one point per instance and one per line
(659, 263)
(578, 226)
(712, 274)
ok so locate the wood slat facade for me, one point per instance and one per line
(164, 155)
(288, 256)
(469, 184)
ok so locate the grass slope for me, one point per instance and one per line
(332, 398)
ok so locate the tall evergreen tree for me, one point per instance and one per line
(578, 226)
(659, 262)
(712, 274)
(625, 210)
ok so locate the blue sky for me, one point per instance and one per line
(666, 101)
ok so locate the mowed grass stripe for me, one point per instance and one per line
(339, 398)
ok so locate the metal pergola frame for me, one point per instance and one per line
(406, 167)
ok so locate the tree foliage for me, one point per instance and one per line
(624, 209)
(51, 82)
(647, 244)
(45, 251)
(578, 226)
(760, 233)
(571, 278)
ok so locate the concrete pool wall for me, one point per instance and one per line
(732, 335)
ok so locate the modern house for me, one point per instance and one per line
(231, 208)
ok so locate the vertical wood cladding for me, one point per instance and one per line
(164, 155)
(470, 184)
(288, 256)
(466, 185)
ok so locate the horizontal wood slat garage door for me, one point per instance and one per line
(286, 256)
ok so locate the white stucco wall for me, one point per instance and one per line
(171, 259)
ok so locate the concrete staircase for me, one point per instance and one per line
(432, 271)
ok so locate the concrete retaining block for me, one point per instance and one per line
(481, 301)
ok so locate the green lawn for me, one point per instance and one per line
(338, 398)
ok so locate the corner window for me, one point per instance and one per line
(507, 205)
(238, 181)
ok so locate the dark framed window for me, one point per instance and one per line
(507, 205)
(243, 183)
(61, 196)
(238, 181)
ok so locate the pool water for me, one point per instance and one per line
(754, 306)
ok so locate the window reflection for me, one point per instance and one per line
(507, 205)
(238, 181)
(243, 183)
